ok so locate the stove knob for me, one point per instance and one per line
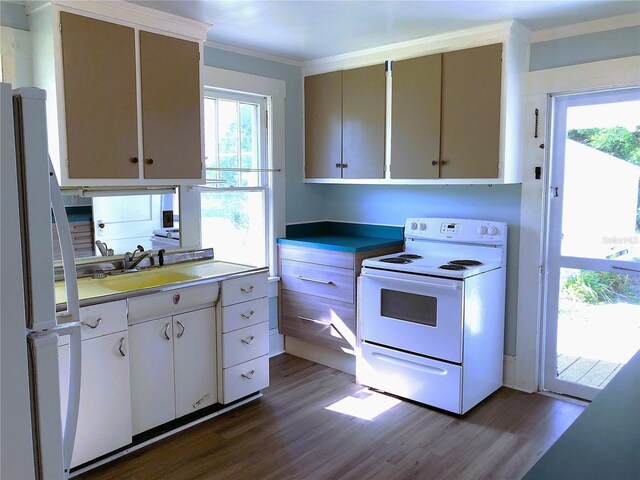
(493, 231)
(482, 230)
(423, 226)
(414, 225)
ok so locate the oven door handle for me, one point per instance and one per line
(424, 284)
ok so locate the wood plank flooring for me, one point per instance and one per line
(290, 434)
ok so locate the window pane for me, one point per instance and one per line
(210, 134)
(249, 143)
(233, 223)
(601, 205)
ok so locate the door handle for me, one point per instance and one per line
(181, 326)
(166, 331)
(95, 325)
(315, 280)
(247, 290)
(248, 340)
(247, 316)
(120, 347)
(249, 375)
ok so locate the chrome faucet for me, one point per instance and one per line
(130, 260)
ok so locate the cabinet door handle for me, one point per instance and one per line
(94, 326)
(443, 162)
(197, 404)
(247, 290)
(134, 160)
(166, 331)
(181, 326)
(338, 165)
(249, 375)
(434, 163)
(247, 316)
(149, 161)
(307, 319)
(315, 280)
(345, 165)
(120, 347)
(248, 340)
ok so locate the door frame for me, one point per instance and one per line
(557, 108)
(525, 374)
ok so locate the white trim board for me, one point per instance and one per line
(538, 85)
(456, 40)
(594, 26)
(253, 53)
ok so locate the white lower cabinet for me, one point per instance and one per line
(104, 416)
(244, 337)
(173, 367)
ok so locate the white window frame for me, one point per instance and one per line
(274, 91)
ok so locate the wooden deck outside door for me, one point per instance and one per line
(100, 98)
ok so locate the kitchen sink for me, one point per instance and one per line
(139, 280)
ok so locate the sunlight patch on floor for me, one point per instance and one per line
(365, 404)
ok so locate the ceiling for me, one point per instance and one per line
(304, 30)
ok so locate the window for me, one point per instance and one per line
(235, 204)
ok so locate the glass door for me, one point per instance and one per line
(592, 316)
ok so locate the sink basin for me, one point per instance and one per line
(139, 280)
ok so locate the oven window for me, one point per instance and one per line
(410, 307)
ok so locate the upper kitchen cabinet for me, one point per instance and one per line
(470, 126)
(124, 93)
(344, 124)
(453, 109)
(415, 128)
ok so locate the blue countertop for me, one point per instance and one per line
(604, 441)
(344, 237)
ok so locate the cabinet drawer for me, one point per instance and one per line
(243, 289)
(318, 321)
(245, 314)
(317, 255)
(102, 319)
(244, 379)
(320, 280)
(174, 301)
(245, 344)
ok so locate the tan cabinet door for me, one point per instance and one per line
(170, 80)
(415, 128)
(99, 72)
(323, 125)
(470, 128)
(363, 119)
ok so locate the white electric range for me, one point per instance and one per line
(431, 319)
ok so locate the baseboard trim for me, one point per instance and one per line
(509, 371)
(276, 343)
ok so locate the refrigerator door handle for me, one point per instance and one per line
(72, 316)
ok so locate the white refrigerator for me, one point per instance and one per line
(34, 441)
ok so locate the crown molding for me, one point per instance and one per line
(253, 53)
(594, 26)
(131, 13)
(449, 41)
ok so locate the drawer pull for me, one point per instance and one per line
(166, 331)
(247, 316)
(95, 325)
(307, 319)
(181, 326)
(248, 340)
(120, 347)
(247, 290)
(249, 375)
(315, 280)
(197, 404)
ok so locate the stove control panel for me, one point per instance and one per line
(456, 230)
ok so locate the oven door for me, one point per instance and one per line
(415, 313)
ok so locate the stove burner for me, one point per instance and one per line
(466, 263)
(412, 256)
(448, 266)
(395, 260)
